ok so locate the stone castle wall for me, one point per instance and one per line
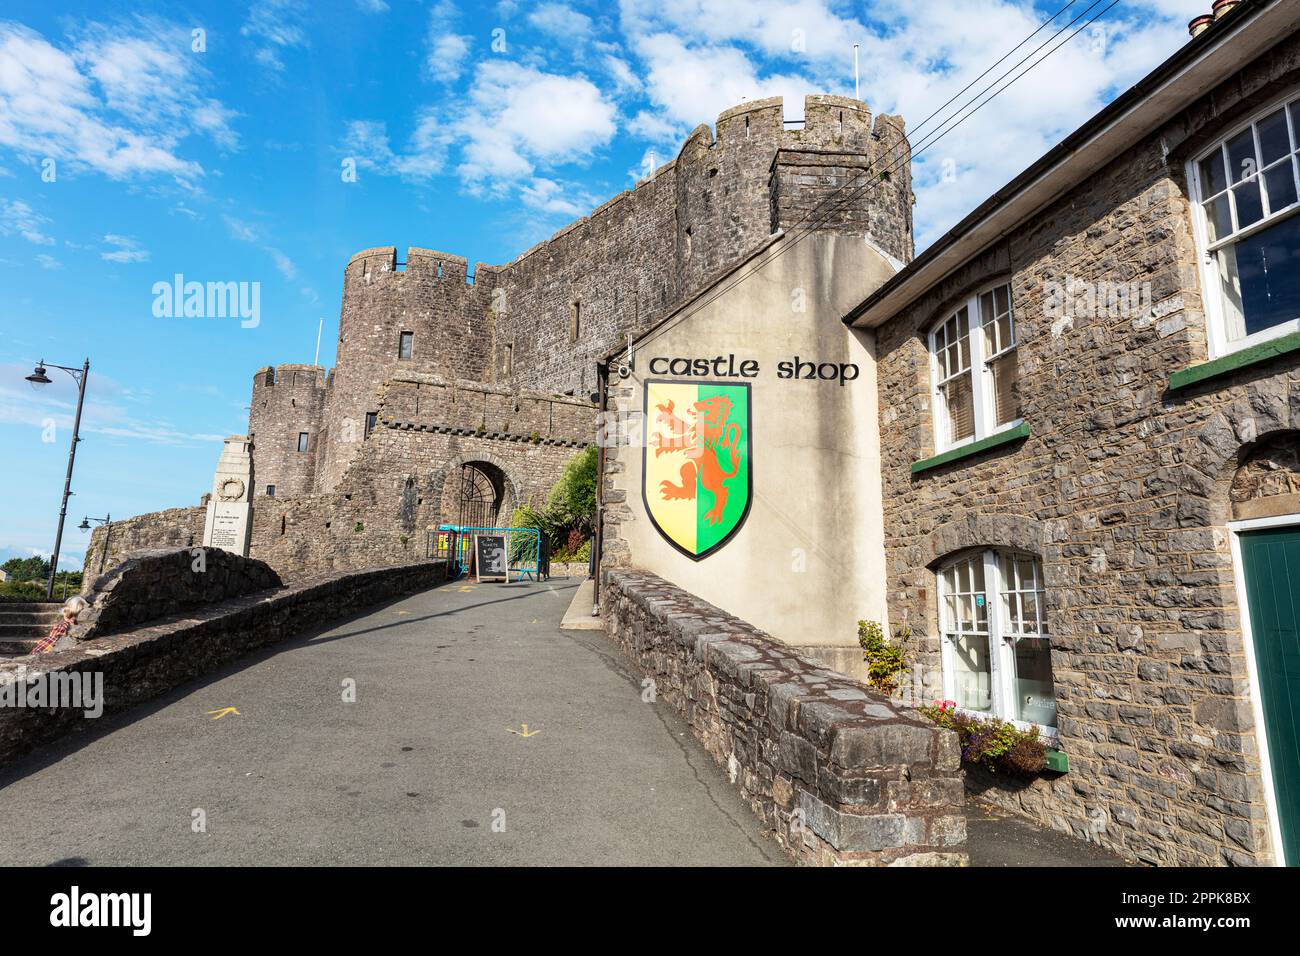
(1122, 488)
(544, 320)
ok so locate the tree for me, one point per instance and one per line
(27, 569)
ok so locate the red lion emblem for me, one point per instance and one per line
(702, 441)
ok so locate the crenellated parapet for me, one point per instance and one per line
(427, 403)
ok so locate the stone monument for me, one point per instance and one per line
(230, 508)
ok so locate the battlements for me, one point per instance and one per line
(425, 263)
(429, 403)
(290, 374)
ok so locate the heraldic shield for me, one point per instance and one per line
(697, 462)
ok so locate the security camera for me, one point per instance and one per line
(624, 371)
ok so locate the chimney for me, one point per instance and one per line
(1221, 8)
(1200, 24)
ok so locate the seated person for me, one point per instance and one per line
(71, 609)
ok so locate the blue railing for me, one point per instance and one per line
(523, 545)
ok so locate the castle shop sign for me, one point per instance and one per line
(729, 366)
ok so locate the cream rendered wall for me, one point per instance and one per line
(808, 562)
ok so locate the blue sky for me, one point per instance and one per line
(133, 148)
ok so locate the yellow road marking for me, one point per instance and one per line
(525, 732)
(224, 711)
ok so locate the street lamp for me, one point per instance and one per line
(107, 521)
(39, 379)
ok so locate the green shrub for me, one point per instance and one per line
(996, 745)
(569, 516)
(886, 660)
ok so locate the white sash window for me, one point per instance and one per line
(973, 362)
(996, 653)
(1247, 192)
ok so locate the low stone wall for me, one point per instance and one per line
(139, 665)
(838, 773)
(147, 585)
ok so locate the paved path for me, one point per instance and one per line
(409, 774)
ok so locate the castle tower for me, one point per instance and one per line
(419, 315)
(286, 422)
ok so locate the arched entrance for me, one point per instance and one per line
(477, 494)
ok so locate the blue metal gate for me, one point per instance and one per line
(456, 543)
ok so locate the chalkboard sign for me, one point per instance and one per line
(490, 558)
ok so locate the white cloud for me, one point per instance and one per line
(126, 250)
(561, 21)
(367, 142)
(18, 218)
(247, 232)
(555, 198)
(275, 26)
(701, 56)
(520, 117)
(46, 261)
(621, 73)
(106, 411)
(447, 55)
(119, 103)
(373, 6)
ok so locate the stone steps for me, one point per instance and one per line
(23, 624)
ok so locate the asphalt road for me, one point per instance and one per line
(421, 769)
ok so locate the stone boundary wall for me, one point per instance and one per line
(147, 585)
(145, 663)
(838, 774)
(173, 528)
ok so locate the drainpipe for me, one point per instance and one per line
(602, 436)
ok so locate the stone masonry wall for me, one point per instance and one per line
(174, 528)
(147, 585)
(144, 663)
(1122, 488)
(287, 401)
(838, 774)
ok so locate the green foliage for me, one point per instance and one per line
(360, 527)
(997, 745)
(573, 499)
(569, 516)
(26, 591)
(27, 569)
(886, 660)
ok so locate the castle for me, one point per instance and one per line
(455, 391)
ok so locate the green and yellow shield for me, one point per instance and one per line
(696, 463)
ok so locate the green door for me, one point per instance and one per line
(1271, 562)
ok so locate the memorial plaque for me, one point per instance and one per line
(230, 509)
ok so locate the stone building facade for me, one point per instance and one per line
(1085, 402)
(1134, 447)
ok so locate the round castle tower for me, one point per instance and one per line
(289, 402)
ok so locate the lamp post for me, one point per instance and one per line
(38, 378)
(107, 521)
